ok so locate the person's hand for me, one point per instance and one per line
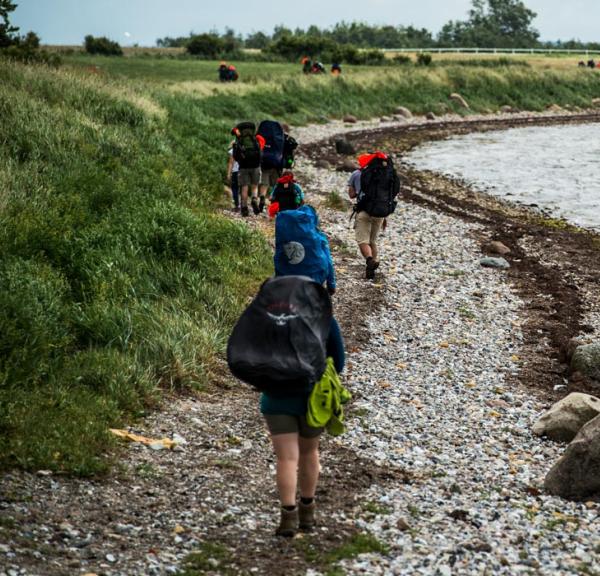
(331, 290)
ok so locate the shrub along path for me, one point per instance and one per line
(439, 472)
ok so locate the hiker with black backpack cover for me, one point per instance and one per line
(280, 346)
(375, 186)
(247, 151)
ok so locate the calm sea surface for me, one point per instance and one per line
(555, 167)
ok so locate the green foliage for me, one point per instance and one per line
(424, 59)
(102, 45)
(493, 24)
(7, 31)
(27, 50)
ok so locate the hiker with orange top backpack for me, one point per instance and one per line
(285, 195)
(247, 151)
(374, 186)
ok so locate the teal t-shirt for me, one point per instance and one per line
(292, 405)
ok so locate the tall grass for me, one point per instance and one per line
(117, 278)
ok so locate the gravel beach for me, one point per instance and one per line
(439, 465)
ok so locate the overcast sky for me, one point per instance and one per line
(143, 21)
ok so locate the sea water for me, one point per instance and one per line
(556, 168)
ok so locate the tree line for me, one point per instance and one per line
(490, 24)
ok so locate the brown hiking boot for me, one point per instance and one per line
(306, 514)
(288, 525)
(372, 265)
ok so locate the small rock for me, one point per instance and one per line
(404, 112)
(455, 97)
(478, 546)
(402, 525)
(111, 558)
(496, 247)
(346, 166)
(385, 119)
(554, 108)
(494, 263)
(350, 119)
(508, 109)
(596, 102)
(342, 146)
(322, 164)
(399, 118)
(565, 418)
(430, 116)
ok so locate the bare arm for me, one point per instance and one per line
(351, 192)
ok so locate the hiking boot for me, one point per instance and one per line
(244, 211)
(255, 207)
(261, 204)
(306, 515)
(288, 525)
(372, 265)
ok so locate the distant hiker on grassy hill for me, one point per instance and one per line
(281, 345)
(247, 151)
(306, 65)
(336, 69)
(374, 186)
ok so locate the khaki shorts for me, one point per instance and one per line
(367, 228)
(288, 424)
(269, 177)
(248, 177)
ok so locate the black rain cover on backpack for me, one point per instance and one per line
(289, 146)
(379, 186)
(246, 150)
(279, 343)
(272, 156)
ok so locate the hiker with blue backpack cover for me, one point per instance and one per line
(281, 345)
(271, 163)
(301, 248)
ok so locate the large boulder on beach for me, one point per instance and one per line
(576, 475)
(404, 112)
(455, 97)
(566, 418)
(586, 359)
(342, 146)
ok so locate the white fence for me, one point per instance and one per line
(508, 51)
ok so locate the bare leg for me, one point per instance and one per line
(244, 195)
(287, 454)
(365, 250)
(308, 466)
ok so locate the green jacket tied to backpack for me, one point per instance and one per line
(325, 404)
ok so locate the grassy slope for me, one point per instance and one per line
(116, 275)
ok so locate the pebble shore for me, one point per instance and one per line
(435, 398)
(432, 398)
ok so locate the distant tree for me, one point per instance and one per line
(7, 31)
(205, 45)
(257, 40)
(102, 45)
(493, 24)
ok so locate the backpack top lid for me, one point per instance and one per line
(243, 127)
(279, 343)
(365, 159)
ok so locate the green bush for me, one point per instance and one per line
(424, 59)
(102, 46)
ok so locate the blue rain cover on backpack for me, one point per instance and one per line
(301, 249)
(272, 156)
